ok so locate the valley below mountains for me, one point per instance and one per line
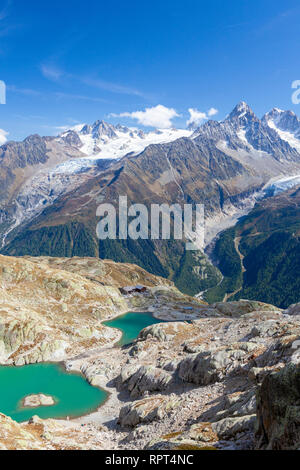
(216, 366)
(52, 186)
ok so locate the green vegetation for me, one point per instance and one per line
(65, 241)
(270, 243)
(272, 270)
(140, 252)
(229, 263)
(196, 274)
(191, 271)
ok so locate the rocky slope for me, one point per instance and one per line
(52, 309)
(27, 179)
(205, 383)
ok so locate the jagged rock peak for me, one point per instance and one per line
(102, 128)
(284, 120)
(275, 112)
(243, 113)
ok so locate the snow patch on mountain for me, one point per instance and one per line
(285, 135)
(79, 165)
(282, 184)
(286, 124)
(231, 213)
(104, 141)
(227, 217)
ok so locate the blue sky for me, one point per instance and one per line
(72, 62)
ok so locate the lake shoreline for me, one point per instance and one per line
(74, 366)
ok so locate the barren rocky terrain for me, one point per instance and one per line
(222, 376)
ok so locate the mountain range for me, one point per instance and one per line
(51, 186)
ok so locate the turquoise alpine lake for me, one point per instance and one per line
(72, 394)
(131, 324)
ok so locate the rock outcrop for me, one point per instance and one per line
(51, 435)
(278, 410)
(147, 410)
(34, 401)
(141, 379)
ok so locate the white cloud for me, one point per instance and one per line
(23, 91)
(159, 116)
(61, 128)
(112, 87)
(197, 117)
(51, 72)
(3, 137)
(79, 97)
(55, 74)
(212, 112)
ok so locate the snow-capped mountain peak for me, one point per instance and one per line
(286, 121)
(101, 129)
(244, 136)
(102, 140)
(241, 108)
(286, 124)
(242, 114)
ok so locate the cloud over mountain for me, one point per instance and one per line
(158, 116)
(3, 137)
(197, 117)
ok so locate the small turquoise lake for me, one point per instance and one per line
(131, 324)
(73, 395)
